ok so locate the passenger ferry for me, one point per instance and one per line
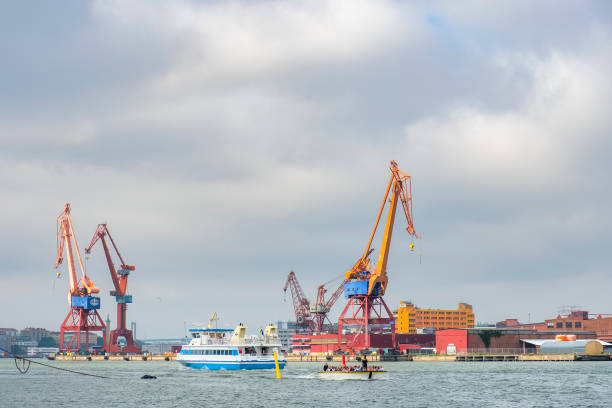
(215, 349)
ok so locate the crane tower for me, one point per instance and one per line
(365, 285)
(311, 318)
(303, 318)
(83, 316)
(120, 281)
(321, 308)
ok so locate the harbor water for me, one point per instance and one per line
(410, 384)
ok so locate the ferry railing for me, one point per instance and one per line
(250, 342)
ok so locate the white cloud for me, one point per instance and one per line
(71, 132)
(229, 41)
(530, 147)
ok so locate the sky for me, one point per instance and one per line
(227, 143)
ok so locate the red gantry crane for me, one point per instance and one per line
(303, 318)
(311, 318)
(365, 287)
(83, 316)
(120, 281)
(321, 308)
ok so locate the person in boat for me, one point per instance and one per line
(364, 363)
(325, 367)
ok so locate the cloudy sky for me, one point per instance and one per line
(227, 143)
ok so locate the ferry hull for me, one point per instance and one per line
(233, 365)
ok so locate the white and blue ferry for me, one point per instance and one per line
(216, 349)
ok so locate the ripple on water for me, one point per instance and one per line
(491, 384)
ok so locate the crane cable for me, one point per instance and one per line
(24, 369)
(334, 279)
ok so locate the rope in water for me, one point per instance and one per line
(23, 369)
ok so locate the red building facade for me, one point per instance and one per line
(581, 320)
(473, 340)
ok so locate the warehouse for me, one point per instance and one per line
(494, 340)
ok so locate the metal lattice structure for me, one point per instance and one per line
(120, 281)
(321, 308)
(301, 305)
(365, 285)
(83, 316)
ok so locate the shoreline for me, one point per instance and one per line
(372, 358)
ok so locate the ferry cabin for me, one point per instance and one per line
(211, 349)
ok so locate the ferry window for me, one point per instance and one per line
(550, 325)
(559, 325)
(568, 324)
(578, 325)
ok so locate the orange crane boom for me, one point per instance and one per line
(64, 234)
(83, 316)
(401, 191)
(365, 285)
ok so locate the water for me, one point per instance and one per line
(410, 384)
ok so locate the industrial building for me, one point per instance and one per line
(515, 324)
(581, 320)
(463, 341)
(410, 318)
(320, 344)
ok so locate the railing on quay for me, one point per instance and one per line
(498, 351)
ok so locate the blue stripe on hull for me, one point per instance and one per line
(238, 365)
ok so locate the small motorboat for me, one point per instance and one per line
(344, 372)
(358, 374)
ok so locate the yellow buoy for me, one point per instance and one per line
(411, 246)
(278, 375)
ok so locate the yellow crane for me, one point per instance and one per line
(365, 286)
(400, 187)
